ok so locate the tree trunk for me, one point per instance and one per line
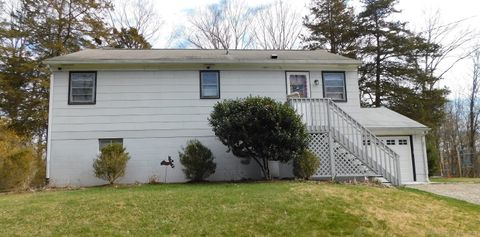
(459, 161)
(378, 89)
(264, 167)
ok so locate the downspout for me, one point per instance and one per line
(425, 160)
(49, 132)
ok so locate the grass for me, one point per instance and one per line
(455, 180)
(247, 209)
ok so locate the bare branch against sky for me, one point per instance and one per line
(142, 15)
(454, 41)
(220, 26)
(277, 26)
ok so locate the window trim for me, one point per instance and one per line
(344, 85)
(200, 79)
(70, 102)
(287, 81)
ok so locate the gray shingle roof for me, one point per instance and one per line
(200, 56)
(382, 118)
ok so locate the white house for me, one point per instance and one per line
(154, 101)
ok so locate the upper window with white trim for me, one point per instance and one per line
(209, 84)
(334, 86)
(82, 87)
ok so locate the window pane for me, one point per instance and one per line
(334, 82)
(335, 96)
(82, 83)
(334, 89)
(333, 76)
(82, 91)
(83, 75)
(82, 98)
(104, 142)
(334, 85)
(298, 83)
(82, 87)
(209, 78)
(209, 84)
(210, 91)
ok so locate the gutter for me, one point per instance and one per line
(153, 61)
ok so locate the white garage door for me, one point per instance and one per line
(401, 145)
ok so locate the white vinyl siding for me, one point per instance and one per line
(156, 113)
(82, 87)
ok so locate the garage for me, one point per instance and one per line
(402, 146)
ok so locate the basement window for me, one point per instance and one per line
(103, 142)
(209, 84)
(82, 87)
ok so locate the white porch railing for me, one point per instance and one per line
(323, 115)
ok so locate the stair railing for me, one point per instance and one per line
(323, 115)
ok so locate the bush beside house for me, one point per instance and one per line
(259, 128)
(18, 162)
(197, 161)
(305, 165)
(111, 163)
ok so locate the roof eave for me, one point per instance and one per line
(143, 62)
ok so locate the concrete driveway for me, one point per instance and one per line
(469, 192)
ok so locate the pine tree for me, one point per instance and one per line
(393, 73)
(128, 38)
(58, 27)
(385, 50)
(332, 26)
(23, 89)
(31, 32)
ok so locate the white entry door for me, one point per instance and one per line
(298, 82)
(401, 145)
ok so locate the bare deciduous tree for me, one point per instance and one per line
(451, 40)
(277, 26)
(138, 14)
(221, 26)
(451, 139)
(459, 131)
(474, 110)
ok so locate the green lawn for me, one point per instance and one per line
(247, 209)
(455, 180)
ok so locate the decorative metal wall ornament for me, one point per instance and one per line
(166, 164)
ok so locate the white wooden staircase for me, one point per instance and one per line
(348, 141)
